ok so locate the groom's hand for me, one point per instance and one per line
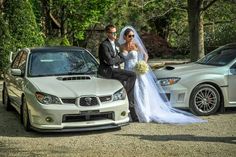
(121, 58)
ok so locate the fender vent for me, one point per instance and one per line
(169, 68)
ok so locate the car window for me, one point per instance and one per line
(22, 61)
(61, 63)
(15, 62)
(219, 57)
(233, 68)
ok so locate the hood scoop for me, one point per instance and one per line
(74, 78)
(169, 68)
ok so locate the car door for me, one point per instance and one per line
(232, 85)
(10, 79)
(15, 82)
(19, 81)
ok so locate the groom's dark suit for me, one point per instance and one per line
(109, 67)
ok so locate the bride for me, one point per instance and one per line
(149, 106)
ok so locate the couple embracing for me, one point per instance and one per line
(146, 103)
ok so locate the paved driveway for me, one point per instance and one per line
(215, 138)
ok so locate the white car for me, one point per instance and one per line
(203, 86)
(57, 89)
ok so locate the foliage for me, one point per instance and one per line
(22, 24)
(65, 41)
(219, 20)
(5, 44)
(81, 15)
(78, 20)
(36, 7)
(220, 24)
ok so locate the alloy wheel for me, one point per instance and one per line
(205, 100)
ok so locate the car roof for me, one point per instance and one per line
(230, 45)
(54, 48)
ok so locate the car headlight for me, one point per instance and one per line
(168, 81)
(47, 98)
(119, 95)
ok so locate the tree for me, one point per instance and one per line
(5, 39)
(196, 32)
(220, 24)
(71, 19)
(22, 24)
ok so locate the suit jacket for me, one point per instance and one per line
(108, 58)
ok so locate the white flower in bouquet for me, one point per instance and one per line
(141, 67)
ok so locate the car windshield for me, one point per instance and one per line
(61, 63)
(218, 57)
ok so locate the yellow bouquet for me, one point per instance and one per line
(141, 67)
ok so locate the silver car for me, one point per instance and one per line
(57, 89)
(203, 86)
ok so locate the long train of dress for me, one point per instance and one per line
(149, 104)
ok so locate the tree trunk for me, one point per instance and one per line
(63, 19)
(196, 34)
(46, 17)
(201, 37)
(1, 6)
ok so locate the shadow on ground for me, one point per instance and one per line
(183, 137)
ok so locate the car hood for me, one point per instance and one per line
(185, 69)
(75, 86)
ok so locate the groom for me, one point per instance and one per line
(109, 67)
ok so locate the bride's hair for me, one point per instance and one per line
(127, 31)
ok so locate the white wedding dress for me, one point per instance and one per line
(149, 105)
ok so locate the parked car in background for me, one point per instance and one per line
(203, 86)
(57, 89)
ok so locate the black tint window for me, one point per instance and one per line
(16, 61)
(219, 57)
(22, 62)
(233, 66)
(61, 63)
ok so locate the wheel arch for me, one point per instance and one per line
(21, 107)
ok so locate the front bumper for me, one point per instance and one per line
(178, 95)
(72, 117)
(77, 129)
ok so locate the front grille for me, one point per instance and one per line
(68, 101)
(87, 117)
(105, 98)
(88, 101)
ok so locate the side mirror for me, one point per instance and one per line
(16, 72)
(10, 57)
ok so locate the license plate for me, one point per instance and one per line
(89, 112)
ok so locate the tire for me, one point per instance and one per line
(25, 116)
(6, 100)
(204, 100)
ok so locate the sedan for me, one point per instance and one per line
(57, 89)
(203, 86)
